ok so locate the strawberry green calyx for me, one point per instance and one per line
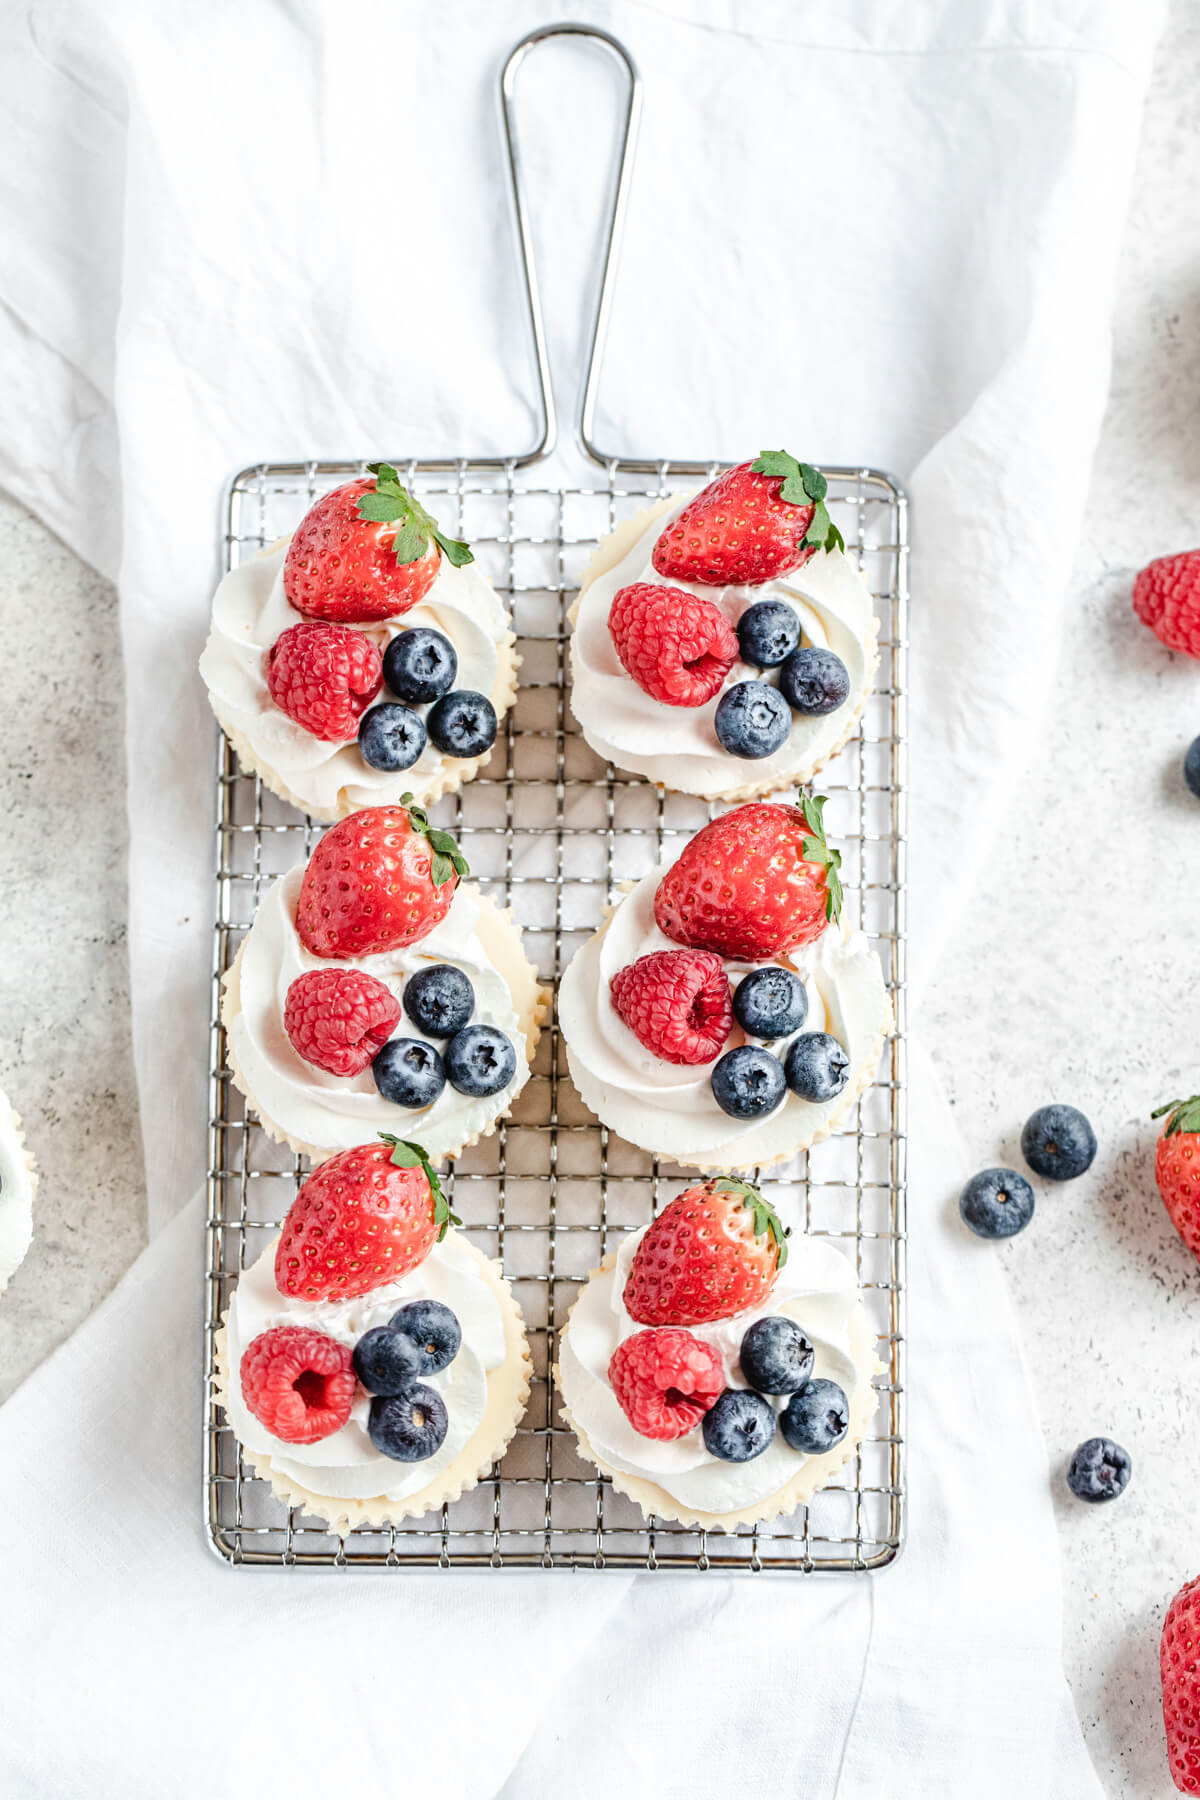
(817, 850)
(803, 486)
(411, 1156)
(447, 859)
(1184, 1115)
(766, 1219)
(391, 503)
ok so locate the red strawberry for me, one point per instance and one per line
(366, 551)
(753, 523)
(1179, 1664)
(753, 883)
(361, 1220)
(324, 677)
(713, 1252)
(677, 646)
(677, 1003)
(1177, 1168)
(665, 1381)
(380, 879)
(339, 1019)
(1166, 597)
(298, 1383)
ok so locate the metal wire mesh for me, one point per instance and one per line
(551, 830)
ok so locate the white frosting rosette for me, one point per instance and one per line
(678, 1477)
(343, 1477)
(330, 780)
(676, 746)
(317, 1112)
(18, 1179)
(669, 1108)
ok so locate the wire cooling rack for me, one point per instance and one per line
(550, 829)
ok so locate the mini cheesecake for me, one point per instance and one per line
(368, 1385)
(724, 644)
(345, 676)
(661, 1042)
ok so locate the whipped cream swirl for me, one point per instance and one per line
(251, 610)
(334, 1112)
(677, 745)
(346, 1465)
(816, 1287)
(668, 1108)
(16, 1194)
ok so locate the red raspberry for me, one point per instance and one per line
(324, 676)
(339, 1019)
(677, 646)
(299, 1384)
(677, 1003)
(665, 1381)
(1166, 597)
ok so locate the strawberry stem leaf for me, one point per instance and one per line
(407, 1155)
(803, 485)
(766, 1219)
(817, 850)
(446, 859)
(1184, 1115)
(391, 503)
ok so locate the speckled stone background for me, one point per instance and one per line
(1074, 977)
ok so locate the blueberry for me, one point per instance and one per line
(409, 1072)
(433, 1329)
(996, 1203)
(767, 632)
(817, 1418)
(739, 1426)
(439, 1000)
(385, 1361)
(391, 737)
(1058, 1142)
(776, 1356)
(814, 681)
(480, 1060)
(752, 719)
(410, 1426)
(770, 1003)
(420, 665)
(1191, 767)
(462, 724)
(748, 1083)
(1099, 1470)
(817, 1068)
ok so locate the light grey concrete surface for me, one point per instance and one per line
(1078, 958)
(66, 1062)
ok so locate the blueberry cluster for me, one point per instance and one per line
(476, 1059)
(749, 1082)
(408, 1419)
(776, 1359)
(754, 719)
(1057, 1142)
(419, 667)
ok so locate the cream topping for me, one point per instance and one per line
(335, 1112)
(16, 1195)
(678, 744)
(816, 1287)
(346, 1465)
(669, 1107)
(251, 610)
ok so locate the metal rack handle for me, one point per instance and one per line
(585, 416)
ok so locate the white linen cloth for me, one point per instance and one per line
(279, 230)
